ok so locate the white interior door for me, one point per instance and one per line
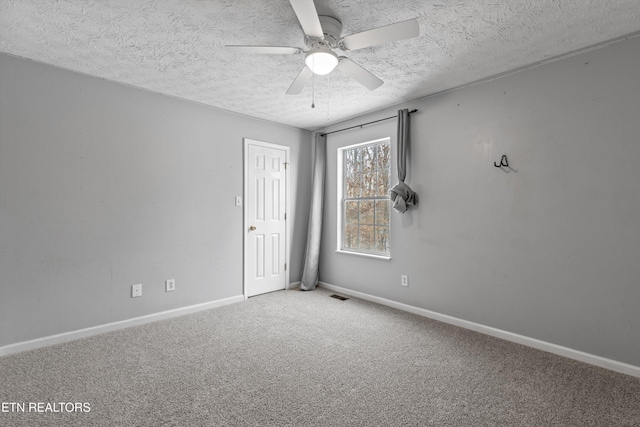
(265, 217)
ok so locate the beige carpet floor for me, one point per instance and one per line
(293, 358)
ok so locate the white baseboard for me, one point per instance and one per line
(294, 285)
(509, 336)
(100, 329)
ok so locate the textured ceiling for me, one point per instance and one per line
(175, 47)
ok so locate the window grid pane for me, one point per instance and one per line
(366, 205)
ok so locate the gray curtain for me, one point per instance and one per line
(401, 195)
(309, 279)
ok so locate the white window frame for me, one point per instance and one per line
(340, 204)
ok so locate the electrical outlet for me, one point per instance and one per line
(136, 291)
(404, 280)
(170, 285)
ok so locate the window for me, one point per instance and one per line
(364, 176)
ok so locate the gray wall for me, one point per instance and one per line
(103, 186)
(550, 251)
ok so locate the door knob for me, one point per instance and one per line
(253, 227)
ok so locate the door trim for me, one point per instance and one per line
(245, 213)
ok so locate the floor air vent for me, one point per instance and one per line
(341, 298)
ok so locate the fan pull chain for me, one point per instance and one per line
(313, 85)
(328, 98)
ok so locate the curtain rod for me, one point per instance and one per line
(364, 124)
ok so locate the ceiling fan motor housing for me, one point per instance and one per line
(332, 29)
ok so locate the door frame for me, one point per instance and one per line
(245, 213)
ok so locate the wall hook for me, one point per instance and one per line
(503, 162)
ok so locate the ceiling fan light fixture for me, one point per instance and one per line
(321, 60)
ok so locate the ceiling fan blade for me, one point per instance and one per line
(269, 50)
(359, 74)
(389, 33)
(300, 82)
(308, 16)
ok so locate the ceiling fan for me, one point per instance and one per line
(323, 36)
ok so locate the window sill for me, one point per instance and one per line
(362, 254)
